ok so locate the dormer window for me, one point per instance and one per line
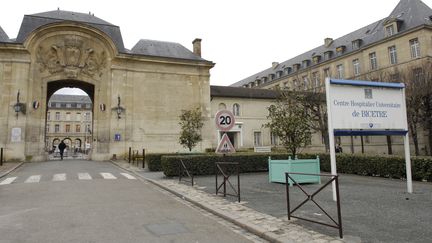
(288, 70)
(296, 67)
(340, 50)
(271, 76)
(316, 59)
(279, 74)
(356, 44)
(305, 63)
(328, 55)
(390, 30)
(264, 80)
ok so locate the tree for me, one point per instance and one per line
(191, 122)
(290, 122)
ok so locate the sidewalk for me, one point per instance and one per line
(7, 167)
(266, 226)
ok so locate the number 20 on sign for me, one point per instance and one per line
(224, 120)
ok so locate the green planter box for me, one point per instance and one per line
(277, 169)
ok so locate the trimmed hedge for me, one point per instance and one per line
(389, 167)
(154, 160)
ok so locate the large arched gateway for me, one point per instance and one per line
(137, 94)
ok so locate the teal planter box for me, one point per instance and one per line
(277, 169)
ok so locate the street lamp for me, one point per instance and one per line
(119, 109)
(19, 107)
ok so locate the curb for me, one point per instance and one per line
(12, 169)
(267, 235)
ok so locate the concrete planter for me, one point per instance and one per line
(277, 169)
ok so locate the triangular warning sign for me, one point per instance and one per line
(225, 146)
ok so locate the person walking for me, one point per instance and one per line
(62, 147)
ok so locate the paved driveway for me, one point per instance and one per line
(374, 209)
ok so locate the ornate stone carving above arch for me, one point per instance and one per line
(71, 55)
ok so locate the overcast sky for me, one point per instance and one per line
(242, 37)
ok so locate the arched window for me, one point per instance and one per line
(236, 109)
(222, 106)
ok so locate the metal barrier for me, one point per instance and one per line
(310, 197)
(130, 150)
(182, 171)
(1, 156)
(226, 175)
(134, 157)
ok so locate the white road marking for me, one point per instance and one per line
(84, 176)
(108, 176)
(8, 181)
(59, 177)
(33, 179)
(128, 176)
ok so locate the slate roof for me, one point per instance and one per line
(34, 21)
(143, 47)
(163, 49)
(63, 98)
(412, 13)
(240, 92)
(3, 36)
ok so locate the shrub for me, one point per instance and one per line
(154, 160)
(383, 166)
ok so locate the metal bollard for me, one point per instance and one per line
(1, 156)
(143, 158)
(130, 150)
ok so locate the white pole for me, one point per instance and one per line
(331, 137)
(408, 163)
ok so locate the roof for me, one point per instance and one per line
(411, 13)
(163, 49)
(240, 92)
(3, 36)
(34, 21)
(64, 98)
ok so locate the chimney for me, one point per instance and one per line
(275, 64)
(197, 47)
(327, 42)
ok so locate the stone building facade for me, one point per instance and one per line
(396, 48)
(137, 94)
(69, 119)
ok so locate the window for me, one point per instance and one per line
(285, 85)
(88, 115)
(315, 80)
(47, 128)
(236, 109)
(340, 71)
(373, 61)
(57, 105)
(257, 138)
(221, 106)
(68, 105)
(79, 105)
(356, 44)
(48, 116)
(67, 127)
(57, 116)
(392, 54)
(78, 128)
(395, 77)
(418, 74)
(274, 139)
(68, 116)
(287, 70)
(340, 50)
(88, 106)
(295, 83)
(415, 48)
(327, 72)
(327, 55)
(78, 116)
(356, 67)
(390, 30)
(88, 129)
(305, 82)
(56, 128)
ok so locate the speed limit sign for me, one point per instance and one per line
(224, 120)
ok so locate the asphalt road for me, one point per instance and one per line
(373, 209)
(85, 201)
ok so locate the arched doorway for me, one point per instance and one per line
(69, 117)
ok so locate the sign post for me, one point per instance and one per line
(224, 122)
(357, 107)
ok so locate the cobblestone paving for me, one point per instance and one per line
(242, 219)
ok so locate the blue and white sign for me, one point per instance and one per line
(366, 108)
(367, 105)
